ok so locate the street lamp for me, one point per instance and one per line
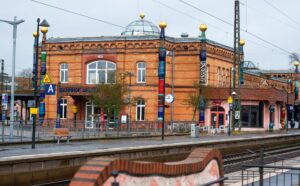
(202, 56)
(172, 54)
(130, 74)
(12, 99)
(44, 24)
(162, 77)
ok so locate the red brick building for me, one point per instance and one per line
(80, 63)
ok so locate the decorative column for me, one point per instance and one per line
(161, 77)
(241, 81)
(202, 57)
(43, 70)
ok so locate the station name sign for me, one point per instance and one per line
(76, 90)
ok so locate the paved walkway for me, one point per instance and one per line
(90, 145)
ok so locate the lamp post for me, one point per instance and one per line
(296, 63)
(161, 78)
(172, 54)
(130, 74)
(14, 23)
(35, 77)
(202, 57)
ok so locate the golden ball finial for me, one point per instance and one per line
(142, 15)
(296, 63)
(242, 42)
(162, 24)
(203, 27)
(35, 34)
(44, 30)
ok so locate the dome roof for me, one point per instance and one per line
(141, 27)
(249, 65)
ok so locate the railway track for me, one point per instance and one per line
(233, 162)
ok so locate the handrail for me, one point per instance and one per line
(215, 181)
(271, 167)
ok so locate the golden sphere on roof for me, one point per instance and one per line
(242, 42)
(142, 15)
(44, 30)
(296, 63)
(203, 27)
(35, 34)
(162, 24)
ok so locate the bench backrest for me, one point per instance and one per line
(61, 131)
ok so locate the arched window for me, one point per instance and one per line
(64, 73)
(101, 72)
(141, 72)
(140, 110)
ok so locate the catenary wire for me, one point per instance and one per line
(228, 23)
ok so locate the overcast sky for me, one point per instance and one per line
(257, 17)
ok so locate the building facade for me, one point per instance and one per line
(76, 65)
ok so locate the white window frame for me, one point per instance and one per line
(97, 70)
(64, 108)
(139, 108)
(64, 69)
(143, 72)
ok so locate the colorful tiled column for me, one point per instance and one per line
(161, 77)
(203, 74)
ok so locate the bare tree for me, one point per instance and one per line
(24, 79)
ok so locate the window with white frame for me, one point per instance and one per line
(63, 108)
(64, 73)
(101, 72)
(140, 110)
(141, 72)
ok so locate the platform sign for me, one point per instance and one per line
(50, 89)
(4, 101)
(47, 79)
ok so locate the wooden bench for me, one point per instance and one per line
(62, 132)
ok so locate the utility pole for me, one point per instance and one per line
(236, 59)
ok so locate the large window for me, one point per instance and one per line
(63, 108)
(141, 72)
(64, 73)
(101, 72)
(140, 110)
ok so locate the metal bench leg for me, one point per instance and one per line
(68, 140)
(58, 139)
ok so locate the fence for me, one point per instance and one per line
(23, 132)
(270, 175)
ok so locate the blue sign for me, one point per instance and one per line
(50, 89)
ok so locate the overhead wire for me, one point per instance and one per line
(264, 13)
(228, 23)
(174, 9)
(281, 12)
(217, 28)
(79, 14)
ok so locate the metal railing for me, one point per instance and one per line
(259, 174)
(22, 132)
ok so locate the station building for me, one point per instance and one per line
(77, 64)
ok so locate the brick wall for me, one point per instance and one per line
(98, 171)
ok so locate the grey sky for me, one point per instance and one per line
(257, 18)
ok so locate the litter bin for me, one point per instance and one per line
(195, 131)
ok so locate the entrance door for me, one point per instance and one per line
(217, 116)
